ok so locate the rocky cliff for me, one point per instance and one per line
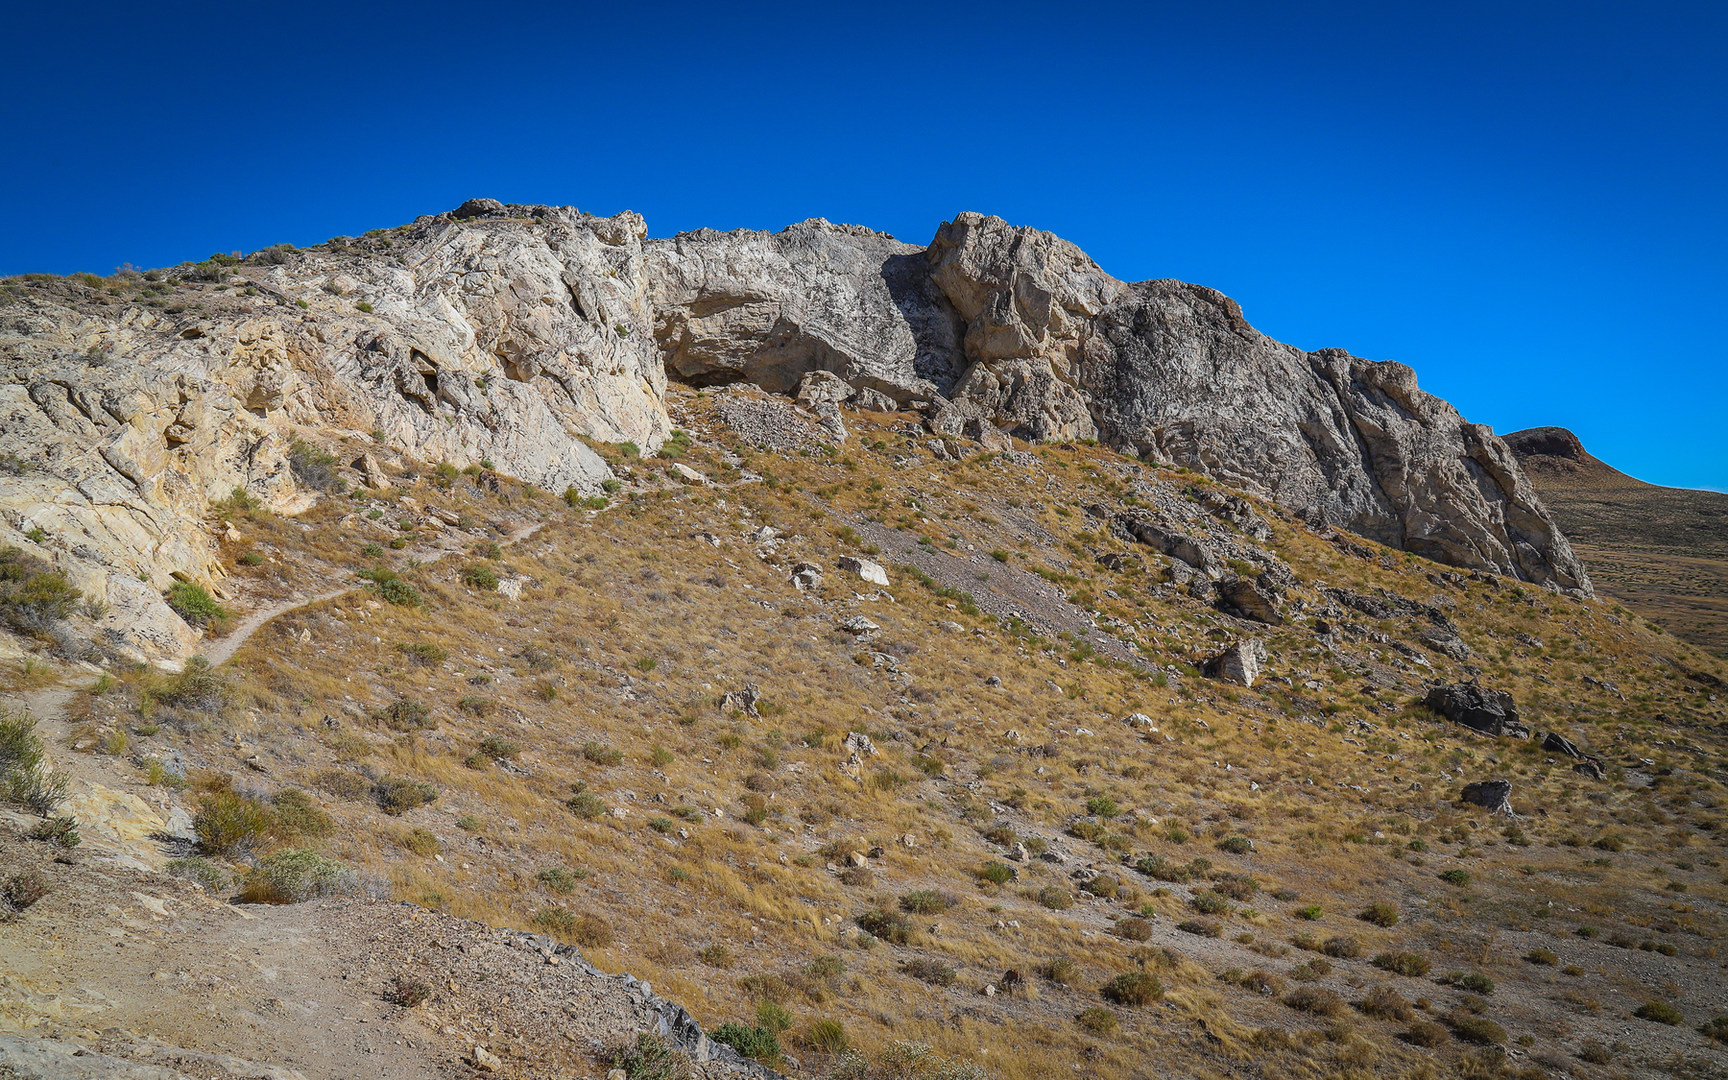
(507, 336)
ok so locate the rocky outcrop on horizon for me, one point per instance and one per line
(509, 335)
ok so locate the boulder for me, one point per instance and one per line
(474, 208)
(865, 569)
(1556, 743)
(1492, 712)
(742, 701)
(1241, 663)
(1494, 796)
(859, 743)
(1248, 599)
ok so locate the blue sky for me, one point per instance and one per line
(1524, 202)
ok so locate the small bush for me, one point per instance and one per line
(926, 902)
(1134, 930)
(483, 578)
(314, 467)
(1475, 1029)
(1387, 1004)
(342, 783)
(397, 795)
(1310, 912)
(422, 842)
(933, 972)
(827, 1036)
(59, 831)
(557, 879)
(996, 873)
(890, 927)
(1659, 1012)
(602, 754)
(424, 653)
(228, 824)
(1343, 947)
(1426, 1033)
(206, 874)
(1236, 845)
(194, 604)
(197, 687)
(292, 875)
(1403, 963)
(20, 891)
(406, 991)
(584, 803)
(1716, 1029)
(1455, 877)
(650, 1058)
(1210, 903)
(1134, 988)
(1200, 927)
(1380, 914)
(1102, 806)
(554, 919)
(405, 714)
(1097, 1020)
(498, 748)
(717, 956)
(757, 1043)
(1055, 897)
(1061, 970)
(1542, 957)
(1316, 1000)
(1475, 982)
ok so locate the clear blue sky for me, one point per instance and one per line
(1525, 202)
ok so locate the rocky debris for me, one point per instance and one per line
(806, 575)
(1450, 645)
(742, 701)
(1143, 528)
(1492, 712)
(1139, 720)
(865, 569)
(766, 422)
(858, 624)
(1592, 768)
(859, 743)
(1586, 764)
(1494, 796)
(1240, 663)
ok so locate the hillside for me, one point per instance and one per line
(667, 725)
(508, 644)
(1661, 551)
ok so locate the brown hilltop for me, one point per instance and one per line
(1662, 551)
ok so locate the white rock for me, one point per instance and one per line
(864, 568)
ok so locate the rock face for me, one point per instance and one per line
(501, 337)
(510, 333)
(768, 308)
(1240, 663)
(1491, 712)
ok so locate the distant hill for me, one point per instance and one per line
(1661, 551)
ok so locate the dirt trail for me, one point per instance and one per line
(221, 651)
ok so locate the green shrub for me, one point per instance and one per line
(25, 777)
(228, 824)
(926, 902)
(59, 831)
(1659, 1012)
(717, 956)
(1542, 957)
(397, 795)
(757, 1043)
(827, 1036)
(1133, 929)
(1210, 903)
(1134, 988)
(1426, 1033)
(1311, 912)
(194, 603)
(931, 971)
(651, 1059)
(20, 891)
(1236, 845)
(601, 754)
(296, 814)
(1475, 1029)
(890, 927)
(406, 991)
(1061, 970)
(483, 578)
(1055, 897)
(1380, 914)
(424, 653)
(996, 873)
(197, 686)
(557, 879)
(1316, 1000)
(405, 714)
(498, 748)
(1716, 1029)
(584, 803)
(1097, 1020)
(1403, 963)
(1475, 982)
(314, 467)
(33, 596)
(1102, 806)
(1343, 947)
(1200, 928)
(205, 873)
(293, 875)
(1455, 877)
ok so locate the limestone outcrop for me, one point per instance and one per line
(509, 334)
(503, 336)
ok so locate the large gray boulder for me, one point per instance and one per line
(769, 308)
(1492, 712)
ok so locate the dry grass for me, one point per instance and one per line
(722, 841)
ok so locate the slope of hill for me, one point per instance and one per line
(1661, 551)
(1122, 773)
